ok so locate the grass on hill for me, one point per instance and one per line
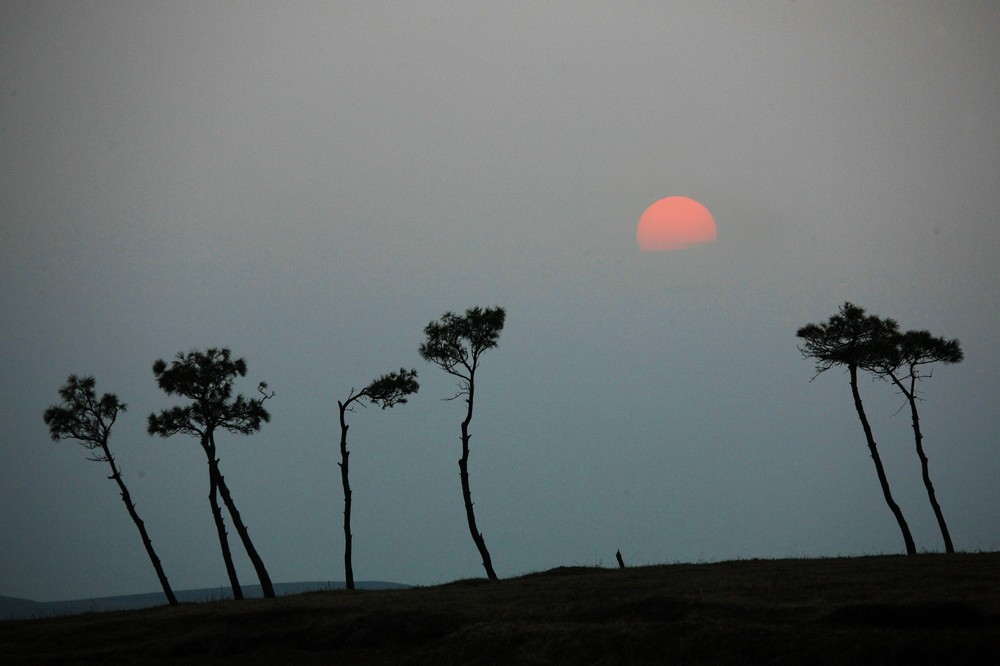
(880, 609)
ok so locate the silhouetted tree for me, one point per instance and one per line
(903, 363)
(854, 339)
(83, 417)
(455, 344)
(206, 378)
(386, 391)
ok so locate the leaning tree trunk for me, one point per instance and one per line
(344, 453)
(258, 564)
(220, 527)
(918, 438)
(146, 542)
(463, 466)
(911, 549)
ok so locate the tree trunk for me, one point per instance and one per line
(220, 527)
(146, 542)
(258, 564)
(918, 438)
(463, 466)
(911, 549)
(348, 566)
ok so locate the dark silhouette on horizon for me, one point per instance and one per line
(387, 391)
(455, 344)
(206, 378)
(83, 417)
(854, 339)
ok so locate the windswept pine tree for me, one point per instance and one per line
(83, 417)
(386, 392)
(904, 362)
(455, 344)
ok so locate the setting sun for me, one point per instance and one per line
(674, 223)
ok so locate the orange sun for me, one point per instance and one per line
(673, 223)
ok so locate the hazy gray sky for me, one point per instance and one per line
(309, 184)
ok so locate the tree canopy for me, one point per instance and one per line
(207, 379)
(456, 342)
(910, 350)
(83, 416)
(850, 338)
(388, 390)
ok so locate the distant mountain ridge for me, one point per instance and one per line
(13, 608)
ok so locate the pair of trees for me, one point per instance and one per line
(859, 341)
(455, 343)
(206, 378)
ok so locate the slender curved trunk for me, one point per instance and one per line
(463, 466)
(344, 453)
(918, 439)
(146, 541)
(911, 549)
(220, 528)
(258, 564)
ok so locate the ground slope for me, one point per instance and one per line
(886, 609)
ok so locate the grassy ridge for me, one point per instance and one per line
(885, 609)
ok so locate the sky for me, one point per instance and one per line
(310, 184)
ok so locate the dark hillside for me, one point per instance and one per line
(886, 609)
